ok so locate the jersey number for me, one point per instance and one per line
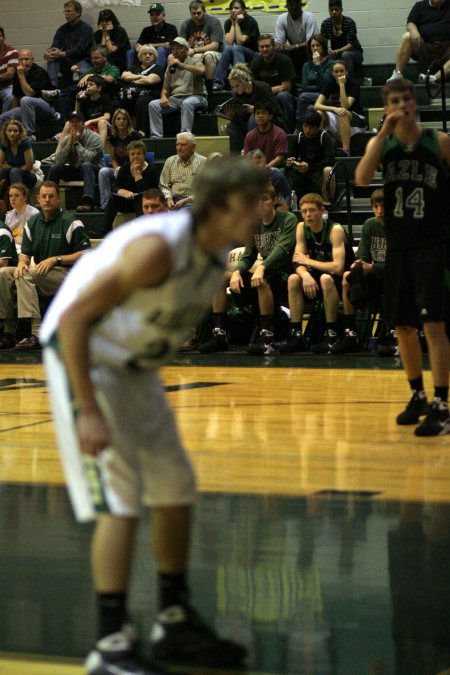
(414, 201)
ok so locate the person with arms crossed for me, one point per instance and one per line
(416, 171)
(120, 316)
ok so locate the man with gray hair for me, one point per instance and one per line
(183, 89)
(70, 46)
(179, 171)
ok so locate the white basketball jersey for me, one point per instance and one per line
(146, 329)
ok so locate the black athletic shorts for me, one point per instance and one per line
(316, 274)
(414, 285)
(278, 285)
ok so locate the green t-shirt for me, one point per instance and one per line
(372, 245)
(275, 242)
(61, 235)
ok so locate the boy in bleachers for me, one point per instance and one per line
(308, 172)
(367, 271)
(96, 107)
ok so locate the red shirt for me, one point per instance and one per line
(274, 142)
(10, 57)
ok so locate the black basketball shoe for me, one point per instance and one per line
(437, 421)
(417, 406)
(115, 655)
(328, 341)
(218, 342)
(294, 344)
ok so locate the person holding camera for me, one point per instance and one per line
(183, 89)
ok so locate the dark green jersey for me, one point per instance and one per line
(7, 246)
(319, 243)
(416, 192)
(274, 241)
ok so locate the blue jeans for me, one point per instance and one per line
(60, 69)
(287, 102)
(106, 180)
(17, 175)
(231, 55)
(87, 172)
(187, 106)
(305, 101)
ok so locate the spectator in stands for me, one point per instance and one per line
(113, 37)
(143, 84)
(309, 170)
(274, 241)
(292, 32)
(153, 201)
(277, 70)
(427, 38)
(122, 133)
(204, 33)
(160, 34)
(315, 74)
(344, 116)
(179, 170)
(371, 256)
(101, 67)
(341, 31)
(27, 104)
(95, 106)
(8, 252)
(319, 263)
(267, 137)
(55, 240)
(80, 158)
(16, 154)
(8, 63)
(183, 89)
(247, 92)
(71, 46)
(241, 42)
(133, 178)
(275, 177)
(20, 212)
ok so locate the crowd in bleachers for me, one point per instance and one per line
(100, 97)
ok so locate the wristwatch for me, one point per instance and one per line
(58, 259)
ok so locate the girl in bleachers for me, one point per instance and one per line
(16, 154)
(20, 212)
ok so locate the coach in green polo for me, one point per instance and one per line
(55, 240)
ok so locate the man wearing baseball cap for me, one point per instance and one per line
(183, 89)
(159, 34)
(80, 157)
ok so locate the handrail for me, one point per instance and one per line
(434, 67)
(336, 198)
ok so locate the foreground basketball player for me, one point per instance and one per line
(416, 181)
(122, 312)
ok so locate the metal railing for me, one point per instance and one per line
(338, 190)
(433, 89)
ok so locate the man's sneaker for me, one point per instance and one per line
(263, 344)
(218, 342)
(437, 421)
(324, 346)
(294, 343)
(347, 345)
(417, 406)
(396, 75)
(389, 347)
(115, 655)
(179, 634)
(423, 78)
(50, 94)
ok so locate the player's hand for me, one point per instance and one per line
(301, 258)
(391, 121)
(342, 79)
(258, 277)
(93, 432)
(236, 282)
(310, 286)
(340, 112)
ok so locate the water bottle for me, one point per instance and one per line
(294, 201)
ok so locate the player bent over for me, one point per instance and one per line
(122, 312)
(416, 165)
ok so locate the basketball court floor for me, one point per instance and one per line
(322, 529)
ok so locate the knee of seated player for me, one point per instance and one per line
(405, 39)
(294, 282)
(327, 283)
